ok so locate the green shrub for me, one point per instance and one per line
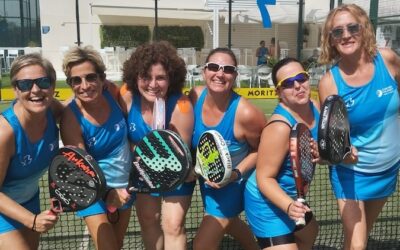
(182, 36)
(123, 36)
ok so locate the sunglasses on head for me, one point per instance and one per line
(76, 80)
(352, 28)
(228, 69)
(288, 82)
(25, 85)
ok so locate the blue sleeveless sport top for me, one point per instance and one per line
(108, 143)
(31, 160)
(237, 149)
(373, 115)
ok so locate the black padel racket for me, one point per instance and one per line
(334, 130)
(213, 160)
(75, 180)
(162, 163)
(301, 159)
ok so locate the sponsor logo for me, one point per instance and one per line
(79, 162)
(143, 174)
(384, 91)
(61, 196)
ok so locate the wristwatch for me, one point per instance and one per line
(238, 173)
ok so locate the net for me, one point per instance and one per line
(71, 233)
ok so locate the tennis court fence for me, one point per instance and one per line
(71, 233)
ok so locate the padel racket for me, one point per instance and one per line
(301, 160)
(213, 160)
(162, 163)
(334, 130)
(75, 180)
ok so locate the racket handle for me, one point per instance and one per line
(302, 221)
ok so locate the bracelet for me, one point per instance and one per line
(238, 173)
(287, 209)
(34, 223)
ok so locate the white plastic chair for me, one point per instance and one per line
(264, 74)
(245, 73)
(197, 75)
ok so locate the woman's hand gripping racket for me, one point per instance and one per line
(302, 162)
(75, 180)
(334, 131)
(213, 161)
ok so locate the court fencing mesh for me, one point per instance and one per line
(70, 231)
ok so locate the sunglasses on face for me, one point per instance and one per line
(227, 69)
(352, 28)
(288, 82)
(76, 80)
(25, 85)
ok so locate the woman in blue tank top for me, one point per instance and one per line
(368, 80)
(93, 121)
(28, 141)
(240, 123)
(270, 196)
(156, 71)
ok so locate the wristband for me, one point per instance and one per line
(238, 173)
(34, 224)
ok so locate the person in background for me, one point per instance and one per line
(274, 49)
(270, 195)
(368, 80)
(218, 107)
(94, 122)
(28, 141)
(261, 54)
(153, 71)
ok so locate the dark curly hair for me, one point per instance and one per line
(140, 62)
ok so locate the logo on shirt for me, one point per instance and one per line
(53, 146)
(350, 102)
(26, 160)
(119, 125)
(91, 142)
(384, 91)
(132, 127)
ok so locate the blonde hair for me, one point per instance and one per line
(329, 54)
(29, 60)
(78, 55)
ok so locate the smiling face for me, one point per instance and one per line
(220, 81)
(88, 90)
(35, 100)
(299, 92)
(350, 41)
(155, 84)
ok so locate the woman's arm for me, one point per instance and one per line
(392, 61)
(326, 87)
(249, 123)
(40, 223)
(70, 130)
(274, 147)
(182, 120)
